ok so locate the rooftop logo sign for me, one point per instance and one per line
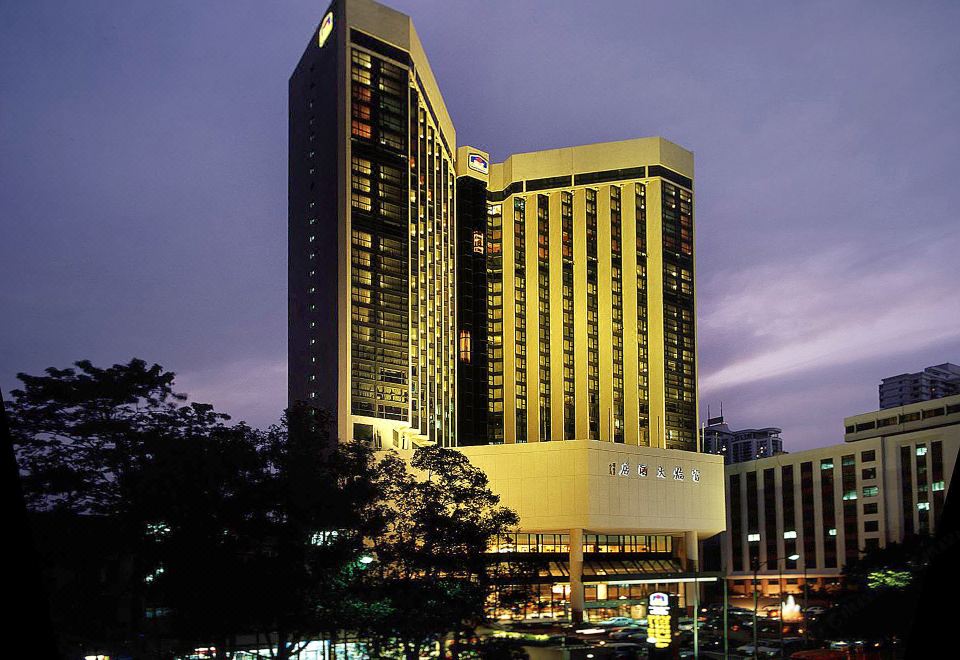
(478, 163)
(326, 27)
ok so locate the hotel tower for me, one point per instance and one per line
(372, 231)
(538, 314)
(585, 329)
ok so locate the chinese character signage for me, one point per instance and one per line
(626, 469)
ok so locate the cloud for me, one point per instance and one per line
(252, 390)
(826, 311)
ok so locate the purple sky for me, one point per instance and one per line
(143, 170)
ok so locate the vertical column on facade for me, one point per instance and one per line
(818, 531)
(443, 326)
(691, 542)
(556, 318)
(762, 514)
(580, 312)
(431, 287)
(628, 210)
(450, 342)
(533, 320)
(344, 249)
(576, 575)
(655, 313)
(507, 320)
(779, 521)
(604, 321)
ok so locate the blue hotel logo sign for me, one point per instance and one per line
(478, 163)
(625, 469)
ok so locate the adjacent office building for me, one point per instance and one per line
(888, 480)
(931, 383)
(537, 313)
(742, 445)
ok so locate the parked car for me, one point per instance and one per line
(626, 650)
(762, 650)
(616, 621)
(771, 611)
(625, 631)
(815, 610)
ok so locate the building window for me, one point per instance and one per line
(869, 473)
(826, 464)
(753, 538)
(871, 526)
(871, 491)
(868, 456)
(465, 346)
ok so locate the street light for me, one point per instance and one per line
(756, 597)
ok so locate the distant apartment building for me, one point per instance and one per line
(887, 481)
(932, 383)
(739, 446)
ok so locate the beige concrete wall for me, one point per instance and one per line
(591, 158)
(568, 485)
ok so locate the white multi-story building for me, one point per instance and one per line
(932, 383)
(743, 445)
(887, 481)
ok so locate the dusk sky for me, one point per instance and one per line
(143, 166)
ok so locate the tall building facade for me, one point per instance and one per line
(888, 480)
(588, 261)
(932, 383)
(554, 290)
(541, 309)
(738, 446)
(372, 236)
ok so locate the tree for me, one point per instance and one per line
(196, 533)
(227, 529)
(80, 433)
(314, 507)
(879, 592)
(433, 575)
(84, 437)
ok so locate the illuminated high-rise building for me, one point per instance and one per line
(555, 290)
(371, 231)
(538, 313)
(589, 312)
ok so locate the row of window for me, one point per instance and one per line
(921, 481)
(905, 418)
